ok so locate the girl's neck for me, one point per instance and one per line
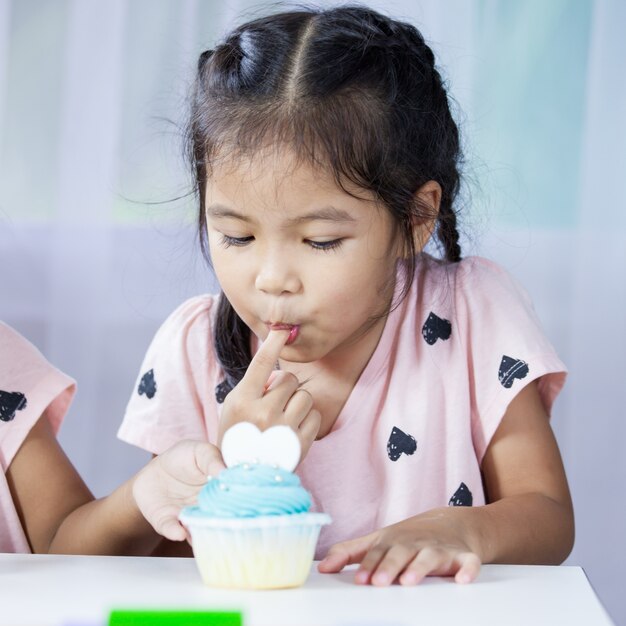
(330, 381)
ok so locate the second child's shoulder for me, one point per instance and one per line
(16, 348)
(10, 337)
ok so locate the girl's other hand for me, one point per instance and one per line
(267, 397)
(172, 481)
(428, 545)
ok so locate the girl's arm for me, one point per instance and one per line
(44, 485)
(529, 519)
(59, 513)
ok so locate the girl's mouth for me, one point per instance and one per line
(294, 329)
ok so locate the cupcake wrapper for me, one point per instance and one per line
(268, 552)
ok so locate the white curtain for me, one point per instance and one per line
(95, 251)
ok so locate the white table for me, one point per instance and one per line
(42, 590)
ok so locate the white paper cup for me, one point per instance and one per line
(265, 552)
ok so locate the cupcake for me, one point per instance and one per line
(251, 527)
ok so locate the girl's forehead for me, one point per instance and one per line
(279, 175)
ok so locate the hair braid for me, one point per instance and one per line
(448, 233)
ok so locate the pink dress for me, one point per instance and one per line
(29, 388)
(413, 432)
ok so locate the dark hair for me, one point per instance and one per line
(347, 89)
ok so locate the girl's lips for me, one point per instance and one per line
(293, 334)
(293, 329)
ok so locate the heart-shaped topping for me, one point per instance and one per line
(245, 443)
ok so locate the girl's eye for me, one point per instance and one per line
(325, 245)
(228, 241)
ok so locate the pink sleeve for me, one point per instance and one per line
(29, 388)
(173, 398)
(506, 346)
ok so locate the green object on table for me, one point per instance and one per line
(175, 618)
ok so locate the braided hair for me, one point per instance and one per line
(346, 89)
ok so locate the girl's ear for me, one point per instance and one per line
(428, 197)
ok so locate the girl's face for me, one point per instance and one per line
(290, 247)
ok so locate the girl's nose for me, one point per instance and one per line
(277, 276)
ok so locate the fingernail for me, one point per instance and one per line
(361, 577)
(463, 579)
(410, 578)
(381, 578)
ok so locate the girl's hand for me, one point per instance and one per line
(172, 481)
(426, 545)
(267, 397)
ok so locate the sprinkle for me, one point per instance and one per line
(246, 466)
(209, 478)
(278, 478)
(223, 487)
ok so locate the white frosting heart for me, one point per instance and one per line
(245, 443)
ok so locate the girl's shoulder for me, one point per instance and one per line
(477, 268)
(473, 281)
(482, 282)
(174, 389)
(181, 347)
(192, 309)
(190, 319)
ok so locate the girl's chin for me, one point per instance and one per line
(300, 352)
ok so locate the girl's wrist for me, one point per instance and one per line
(133, 523)
(468, 525)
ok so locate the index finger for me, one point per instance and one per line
(263, 362)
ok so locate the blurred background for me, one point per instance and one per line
(97, 240)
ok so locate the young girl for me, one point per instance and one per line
(44, 504)
(325, 158)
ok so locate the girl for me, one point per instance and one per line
(325, 157)
(44, 504)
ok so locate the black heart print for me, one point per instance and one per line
(511, 369)
(462, 497)
(436, 328)
(400, 443)
(222, 390)
(147, 385)
(10, 403)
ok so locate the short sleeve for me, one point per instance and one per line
(29, 388)
(506, 346)
(174, 395)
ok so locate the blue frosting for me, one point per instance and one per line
(252, 490)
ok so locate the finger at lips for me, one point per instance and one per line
(263, 363)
